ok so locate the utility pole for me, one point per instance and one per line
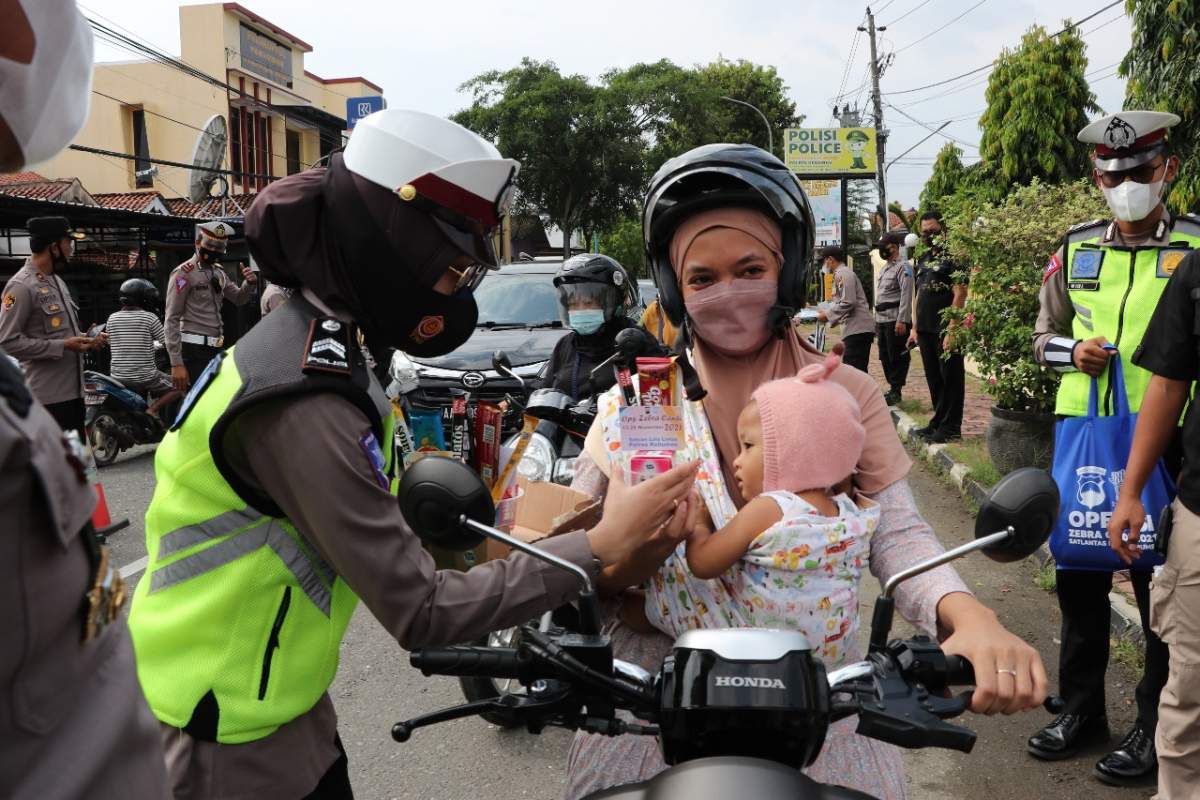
(880, 131)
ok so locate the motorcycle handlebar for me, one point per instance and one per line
(495, 662)
(959, 671)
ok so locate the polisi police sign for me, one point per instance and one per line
(359, 107)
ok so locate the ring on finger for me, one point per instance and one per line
(1012, 672)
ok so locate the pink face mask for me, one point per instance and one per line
(731, 317)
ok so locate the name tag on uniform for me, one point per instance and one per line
(1085, 270)
(1168, 261)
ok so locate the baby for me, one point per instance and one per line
(792, 556)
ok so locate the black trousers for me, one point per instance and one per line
(335, 783)
(196, 358)
(1083, 658)
(893, 354)
(947, 379)
(69, 415)
(858, 350)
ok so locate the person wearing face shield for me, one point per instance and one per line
(273, 516)
(1103, 285)
(595, 295)
(195, 291)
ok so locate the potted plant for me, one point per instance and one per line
(1006, 246)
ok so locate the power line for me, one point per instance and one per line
(931, 128)
(130, 157)
(920, 5)
(939, 30)
(1072, 26)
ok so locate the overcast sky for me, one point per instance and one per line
(421, 52)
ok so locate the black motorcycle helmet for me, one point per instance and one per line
(716, 175)
(138, 292)
(598, 278)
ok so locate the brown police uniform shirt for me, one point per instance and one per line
(893, 293)
(849, 307)
(1055, 310)
(37, 315)
(73, 720)
(194, 295)
(328, 487)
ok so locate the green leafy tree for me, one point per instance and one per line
(1006, 245)
(948, 174)
(1037, 100)
(1163, 68)
(581, 153)
(623, 242)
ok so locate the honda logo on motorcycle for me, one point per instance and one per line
(473, 380)
(748, 683)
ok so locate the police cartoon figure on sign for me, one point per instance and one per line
(1100, 287)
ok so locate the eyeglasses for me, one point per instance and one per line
(1143, 173)
(470, 277)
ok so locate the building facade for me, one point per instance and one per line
(279, 117)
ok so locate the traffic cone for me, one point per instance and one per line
(101, 520)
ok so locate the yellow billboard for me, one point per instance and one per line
(832, 151)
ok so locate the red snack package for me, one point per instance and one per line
(647, 464)
(460, 436)
(488, 417)
(656, 381)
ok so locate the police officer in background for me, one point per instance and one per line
(849, 308)
(39, 322)
(73, 720)
(940, 283)
(194, 294)
(272, 514)
(893, 314)
(1102, 285)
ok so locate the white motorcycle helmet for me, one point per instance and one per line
(449, 172)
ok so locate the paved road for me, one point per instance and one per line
(466, 759)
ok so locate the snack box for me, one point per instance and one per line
(647, 464)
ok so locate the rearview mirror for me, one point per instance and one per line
(1025, 500)
(435, 493)
(500, 361)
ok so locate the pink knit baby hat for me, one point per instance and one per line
(812, 430)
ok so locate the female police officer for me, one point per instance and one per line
(272, 515)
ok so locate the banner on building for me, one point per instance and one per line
(845, 152)
(825, 197)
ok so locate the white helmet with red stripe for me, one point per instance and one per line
(452, 171)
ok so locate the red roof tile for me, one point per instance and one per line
(21, 177)
(235, 205)
(42, 190)
(127, 201)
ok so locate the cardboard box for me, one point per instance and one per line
(547, 509)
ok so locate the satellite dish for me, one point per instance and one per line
(207, 157)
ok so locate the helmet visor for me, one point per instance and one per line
(586, 295)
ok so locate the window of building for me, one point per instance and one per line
(293, 151)
(235, 140)
(142, 176)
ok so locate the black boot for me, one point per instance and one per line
(1133, 763)
(892, 397)
(1066, 734)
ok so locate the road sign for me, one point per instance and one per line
(359, 107)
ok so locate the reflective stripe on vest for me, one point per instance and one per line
(265, 532)
(1117, 302)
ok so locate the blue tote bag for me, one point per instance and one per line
(1090, 454)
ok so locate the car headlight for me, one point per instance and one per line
(529, 370)
(403, 373)
(537, 464)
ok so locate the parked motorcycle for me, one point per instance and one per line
(117, 419)
(737, 712)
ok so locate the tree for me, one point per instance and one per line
(860, 210)
(623, 242)
(948, 173)
(1163, 68)
(1037, 100)
(678, 108)
(581, 153)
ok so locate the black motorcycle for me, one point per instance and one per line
(737, 712)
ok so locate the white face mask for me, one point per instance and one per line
(45, 102)
(1133, 201)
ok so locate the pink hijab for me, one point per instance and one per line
(731, 381)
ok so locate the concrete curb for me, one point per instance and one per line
(1125, 623)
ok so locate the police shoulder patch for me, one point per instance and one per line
(1053, 266)
(374, 453)
(10, 300)
(180, 284)
(329, 347)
